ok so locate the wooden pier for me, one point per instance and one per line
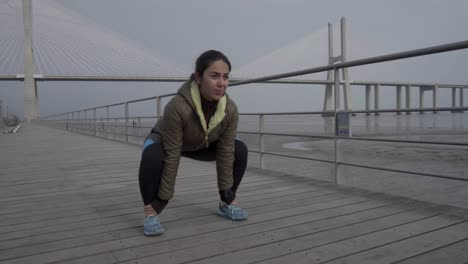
(71, 198)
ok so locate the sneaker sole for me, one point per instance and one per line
(220, 213)
(153, 234)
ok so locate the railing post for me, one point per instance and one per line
(337, 92)
(139, 127)
(344, 71)
(85, 121)
(421, 99)
(95, 122)
(158, 108)
(461, 98)
(106, 129)
(408, 98)
(101, 126)
(337, 165)
(368, 91)
(377, 98)
(398, 98)
(262, 143)
(454, 98)
(126, 122)
(434, 97)
(329, 87)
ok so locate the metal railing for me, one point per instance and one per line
(96, 126)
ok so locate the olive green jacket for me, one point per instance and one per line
(184, 128)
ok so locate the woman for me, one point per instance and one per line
(200, 122)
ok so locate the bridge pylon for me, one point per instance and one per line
(31, 110)
(327, 104)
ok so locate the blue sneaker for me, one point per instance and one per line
(152, 226)
(232, 212)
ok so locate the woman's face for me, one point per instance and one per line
(214, 81)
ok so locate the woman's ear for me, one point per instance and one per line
(197, 78)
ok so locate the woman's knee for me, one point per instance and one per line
(153, 152)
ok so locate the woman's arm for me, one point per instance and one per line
(225, 149)
(172, 142)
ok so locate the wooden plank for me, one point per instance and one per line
(113, 201)
(118, 201)
(71, 192)
(202, 215)
(412, 246)
(74, 222)
(98, 218)
(456, 253)
(325, 219)
(102, 193)
(48, 176)
(114, 197)
(278, 242)
(268, 199)
(93, 184)
(354, 245)
(131, 232)
(248, 202)
(182, 228)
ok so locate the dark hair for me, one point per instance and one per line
(207, 58)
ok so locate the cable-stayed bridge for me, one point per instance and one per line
(68, 46)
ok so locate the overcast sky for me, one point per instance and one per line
(249, 29)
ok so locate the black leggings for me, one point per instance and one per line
(152, 163)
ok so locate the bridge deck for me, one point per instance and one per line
(71, 198)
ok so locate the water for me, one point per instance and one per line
(421, 126)
(441, 160)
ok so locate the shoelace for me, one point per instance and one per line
(235, 211)
(153, 220)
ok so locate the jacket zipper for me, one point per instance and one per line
(206, 137)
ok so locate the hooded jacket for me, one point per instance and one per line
(184, 128)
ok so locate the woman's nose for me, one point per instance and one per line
(222, 82)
